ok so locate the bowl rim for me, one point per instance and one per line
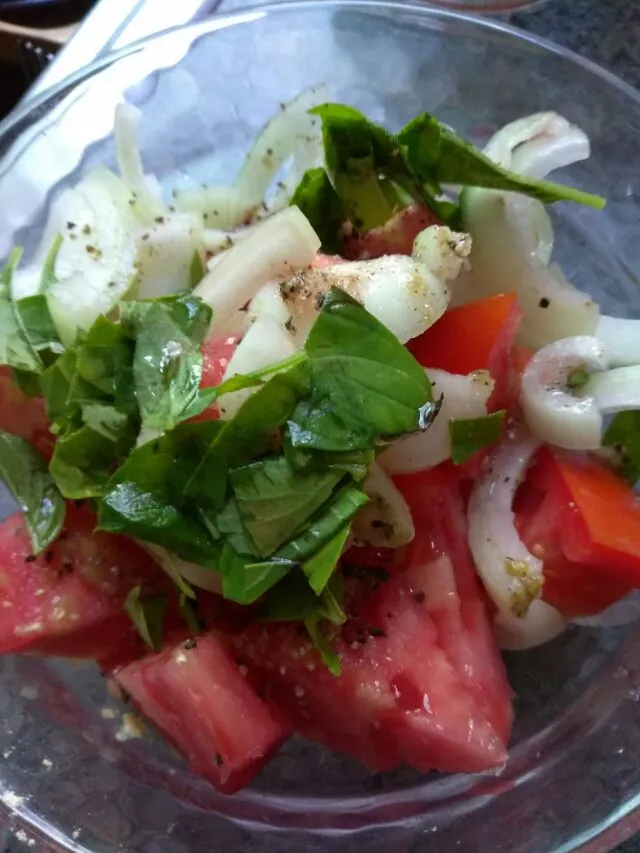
(356, 811)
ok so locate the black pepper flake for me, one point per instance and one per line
(71, 225)
(30, 559)
(544, 302)
(67, 565)
(377, 523)
(377, 632)
(48, 556)
(269, 152)
(86, 229)
(319, 302)
(218, 760)
(145, 236)
(419, 597)
(160, 220)
(189, 644)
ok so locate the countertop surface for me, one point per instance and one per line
(605, 31)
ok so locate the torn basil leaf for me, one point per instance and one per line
(317, 199)
(623, 434)
(469, 435)
(147, 614)
(24, 473)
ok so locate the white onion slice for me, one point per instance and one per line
(265, 343)
(463, 397)
(386, 521)
(620, 339)
(268, 301)
(553, 412)
(145, 189)
(165, 254)
(281, 245)
(513, 238)
(510, 573)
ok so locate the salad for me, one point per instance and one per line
(305, 453)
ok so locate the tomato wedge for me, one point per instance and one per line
(584, 522)
(197, 695)
(68, 601)
(24, 416)
(476, 336)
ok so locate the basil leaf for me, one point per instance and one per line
(147, 614)
(359, 156)
(138, 501)
(245, 436)
(293, 600)
(325, 525)
(189, 611)
(171, 565)
(36, 323)
(356, 462)
(436, 155)
(167, 369)
(469, 435)
(15, 349)
(29, 383)
(105, 357)
(329, 657)
(578, 378)
(83, 458)
(320, 567)
(274, 501)
(6, 276)
(244, 579)
(320, 203)
(197, 269)
(623, 433)
(24, 472)
(365, 384)
(229, 524)
(48, 276)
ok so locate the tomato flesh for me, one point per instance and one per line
(68, 601)
(199, 698)
(24, 416)
(396, 237)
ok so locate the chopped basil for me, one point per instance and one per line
(578, 378)
(24, 472)
(320, 203)
(469, 435)
(623, 434)
(147, 614)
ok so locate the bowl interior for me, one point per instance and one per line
(69, 770)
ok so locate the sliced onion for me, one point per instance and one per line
(553, 412)
(512, 235)
(386, 521)
(268, 301)
(615, 390)
(146, 193)
(620, 339)
(443, 251)
(281, 245)
(265, 343)
(510, 573)
(463, 397)
(219, 207)
(165, 254)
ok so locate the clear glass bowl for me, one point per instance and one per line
(67, 774)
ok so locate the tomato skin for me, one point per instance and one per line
(217, 355)
(396, 237)
(68, 601)
(197, 695)
(584, 522)
(476, 336)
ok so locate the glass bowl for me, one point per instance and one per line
(69, 775)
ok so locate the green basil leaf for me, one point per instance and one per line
(171, 565)
(189, 610)
(244, 579)
(197, 269)
(29, 383)
(469, 435)
(329, 522)
(365, 384)
(167, 369)
(329, 656)
(578, 378)
(138, 501)
(317, 199)
(293, 600)
(356, 462)
(147, 614)
(15, 349)
(6, 276)
(105, 356)
(320, 567)
(359, 156)
(83, 458)
(37, 326)
(24, 473)
(48, 276)
(229, 524)
(274, 501)
(623, 433)
(436, 155)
